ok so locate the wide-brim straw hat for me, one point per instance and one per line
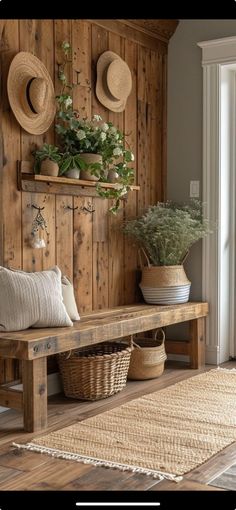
(31, 93)
(114, 81)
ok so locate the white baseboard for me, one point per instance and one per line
(54, 384)
(54, 387)
(212, 355)
(3, 409)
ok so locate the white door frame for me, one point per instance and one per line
(218, 275)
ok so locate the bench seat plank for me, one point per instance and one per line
(96, 327)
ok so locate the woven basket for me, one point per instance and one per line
(148, 357)
(164, 276)
(164, 285)
(95, 372)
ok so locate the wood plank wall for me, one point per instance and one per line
(87, 247)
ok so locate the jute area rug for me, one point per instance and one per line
(164, 434)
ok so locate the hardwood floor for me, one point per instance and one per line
(226, 480)
(25, 470)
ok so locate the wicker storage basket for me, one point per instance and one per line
(148, 357)
(95, 372)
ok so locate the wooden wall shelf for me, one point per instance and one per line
(27, 181)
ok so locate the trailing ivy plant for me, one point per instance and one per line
(121, 187)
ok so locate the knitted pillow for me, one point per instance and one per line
(31, 300)
(69, 298)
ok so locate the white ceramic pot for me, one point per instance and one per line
(73, 173)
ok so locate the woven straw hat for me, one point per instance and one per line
(114, 81)
(31, 93)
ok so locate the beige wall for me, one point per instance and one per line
(185, 117)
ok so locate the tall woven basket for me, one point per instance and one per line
(95, 372)
(148, 357)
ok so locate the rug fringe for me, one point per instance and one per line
(97, 462)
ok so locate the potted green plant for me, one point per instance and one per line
(47, 160)
(71, 165)
(165, 232)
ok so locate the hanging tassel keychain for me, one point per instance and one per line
(38, 226)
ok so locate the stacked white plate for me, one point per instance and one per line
(166, 295)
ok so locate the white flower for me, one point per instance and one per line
(132, 156)
(117, 136)
(65, 45)
(97, 118)
(68, 101)
(121, 188)
(81, 134)
(117, 151)
(104, 127)
(38, 243)
(118, 186)
(103, 136)
(113, 130)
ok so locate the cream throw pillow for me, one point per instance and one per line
(69, 299)
(31, 300)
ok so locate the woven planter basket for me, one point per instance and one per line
(164, 276)
(95, 372)
(148, 357)
(164, 285)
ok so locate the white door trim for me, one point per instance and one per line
(218, 256)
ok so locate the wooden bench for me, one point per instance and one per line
(32, 346)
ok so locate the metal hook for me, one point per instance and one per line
(89, 209)
(84, 209)
(36, 207)
(71, 208)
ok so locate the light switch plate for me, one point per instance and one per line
(194, 189)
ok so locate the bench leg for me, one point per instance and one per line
(34, 375)
(197, 343)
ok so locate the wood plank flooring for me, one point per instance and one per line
(24, 470)
(227, 480)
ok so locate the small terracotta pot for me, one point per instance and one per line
(85, 175)
(49, 167)
(89, 159)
